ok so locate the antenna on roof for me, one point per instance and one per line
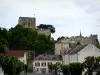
(80, 33)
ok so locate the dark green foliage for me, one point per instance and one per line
(3, 40)
(71, 69)
(44, 26)
(11, 65)
(2, 48)
(20, 38)
(65, 69)
(54, 67)
(78, 43)
(91, 63)
(60, 38)
(98, 46)
(76, 68)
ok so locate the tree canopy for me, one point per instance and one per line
(46, 26)
(11, 65)
(20, 38)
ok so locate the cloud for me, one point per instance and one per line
(68, 16)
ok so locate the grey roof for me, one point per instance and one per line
(48, 57)
(76, 49)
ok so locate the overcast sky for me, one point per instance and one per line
(67, 16)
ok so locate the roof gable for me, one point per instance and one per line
(76, 49)
(79, 48)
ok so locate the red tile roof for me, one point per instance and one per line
(15, 53)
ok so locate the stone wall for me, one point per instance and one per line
(27, 22)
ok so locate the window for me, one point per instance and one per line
(28, 24)
(37, 64)
(50, 71)
(43, 64)
(37, 69)
(43, 70)
(49, 63)
(24, 24)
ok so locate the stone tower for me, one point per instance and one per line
(29, 22)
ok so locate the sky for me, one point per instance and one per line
(69, 17)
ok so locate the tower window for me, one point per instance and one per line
(28, 24)
(24, 24)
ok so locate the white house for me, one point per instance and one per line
(22, 55)
(1, 71)
(41, 62)
(79, 53)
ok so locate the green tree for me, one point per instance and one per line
(50, 66)
(78, 43)
(22, 38)
(40, 46)
(76, 68)
(89, 64)
(11, 65)
(65, 69)
(98, 46)
(45, 26)
(2, 48)
(54, 67)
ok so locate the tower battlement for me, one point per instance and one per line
(29, 22)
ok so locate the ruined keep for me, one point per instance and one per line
(29, 22)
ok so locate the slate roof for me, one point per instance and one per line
(76, 49)
(48, 57)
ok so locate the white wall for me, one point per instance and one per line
(66, 59)
(41, 61)
(73, 58)
(89, 50)
(23, 59)
(46, 32)
(59, 47)
(1, 71)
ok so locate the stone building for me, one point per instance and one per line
(92, 39)
(29, 22)
(65, 43)
(42, 61)
(47, 32)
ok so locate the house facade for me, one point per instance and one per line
(1, 71)
(41, 62)
(21, 55)
(80, 52)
